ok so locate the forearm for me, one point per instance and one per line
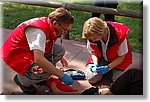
(116, 62)
(94, 58)
(49, 67)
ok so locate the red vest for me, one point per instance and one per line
(15, 50)
(118, 34)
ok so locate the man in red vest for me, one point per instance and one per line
(30, 49)
(111, 52)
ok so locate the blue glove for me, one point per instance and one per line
(102, 69)
(67, 79)
(91, 66)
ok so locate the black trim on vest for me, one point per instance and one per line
(113, 36)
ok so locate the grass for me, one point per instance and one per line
(14, 14)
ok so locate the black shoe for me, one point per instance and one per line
(90, 91)
(28, 90)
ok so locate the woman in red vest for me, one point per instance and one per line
(30, 49)
(110, 49)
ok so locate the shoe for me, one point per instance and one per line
(91, 91)
(28, 90)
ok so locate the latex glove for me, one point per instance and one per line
(67, 79)
(102, 69)
(92, 67)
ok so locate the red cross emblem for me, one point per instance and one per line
(37, 70)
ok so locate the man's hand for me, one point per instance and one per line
(102, 69)
(67, 79)
(64, 62)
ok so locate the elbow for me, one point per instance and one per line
(38, 56)
(122, 58)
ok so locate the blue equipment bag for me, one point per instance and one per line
(75, 74)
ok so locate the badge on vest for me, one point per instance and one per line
(37, 70)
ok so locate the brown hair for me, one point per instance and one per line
(93, 26)
(61, 15)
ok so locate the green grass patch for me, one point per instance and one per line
(14, 14)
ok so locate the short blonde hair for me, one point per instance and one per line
(93, 26)
(61, 15)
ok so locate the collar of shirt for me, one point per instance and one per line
(107, 39)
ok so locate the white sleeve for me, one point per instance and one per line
(36, 38)
(123, 48)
